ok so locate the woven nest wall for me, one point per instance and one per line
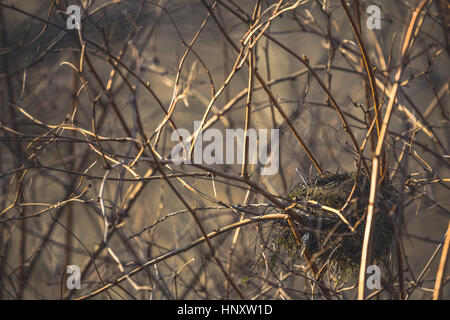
(330, 240)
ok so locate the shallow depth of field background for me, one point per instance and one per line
(37, 82)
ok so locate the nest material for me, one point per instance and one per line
(328, 238)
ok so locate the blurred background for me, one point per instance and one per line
(77, 107)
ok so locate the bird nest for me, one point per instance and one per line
(336, 241)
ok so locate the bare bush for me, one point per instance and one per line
(87, 176)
